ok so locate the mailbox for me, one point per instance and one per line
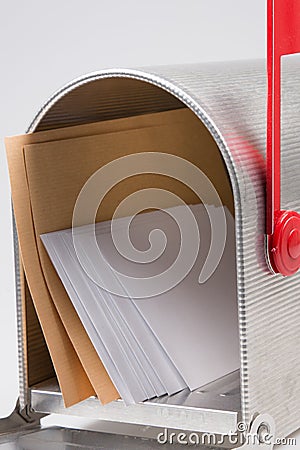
(229, 100)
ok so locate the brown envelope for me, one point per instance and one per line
(72, 378)
(74, 382)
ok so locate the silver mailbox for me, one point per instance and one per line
(230, 100)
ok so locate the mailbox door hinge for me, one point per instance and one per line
(19, 421)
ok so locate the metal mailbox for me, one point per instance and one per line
(230, 101)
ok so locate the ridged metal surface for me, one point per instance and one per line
(95, 101)
(21, 324)
(230, 99)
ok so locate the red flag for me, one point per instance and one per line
(283, 39)
(286, 20)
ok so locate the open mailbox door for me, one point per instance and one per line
(57, 438)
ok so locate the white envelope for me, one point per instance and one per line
(197, 324)
(187, 335)
(105, 342)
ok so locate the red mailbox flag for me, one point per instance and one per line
(283, 227)
(286, 26)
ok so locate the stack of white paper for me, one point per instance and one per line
(183, 336)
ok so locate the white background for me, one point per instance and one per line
(44, 45)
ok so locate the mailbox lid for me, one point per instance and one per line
(59, 438)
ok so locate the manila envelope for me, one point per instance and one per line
(68, 362)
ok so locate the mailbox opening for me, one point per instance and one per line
(106, 99)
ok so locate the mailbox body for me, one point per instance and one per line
(230, 100)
